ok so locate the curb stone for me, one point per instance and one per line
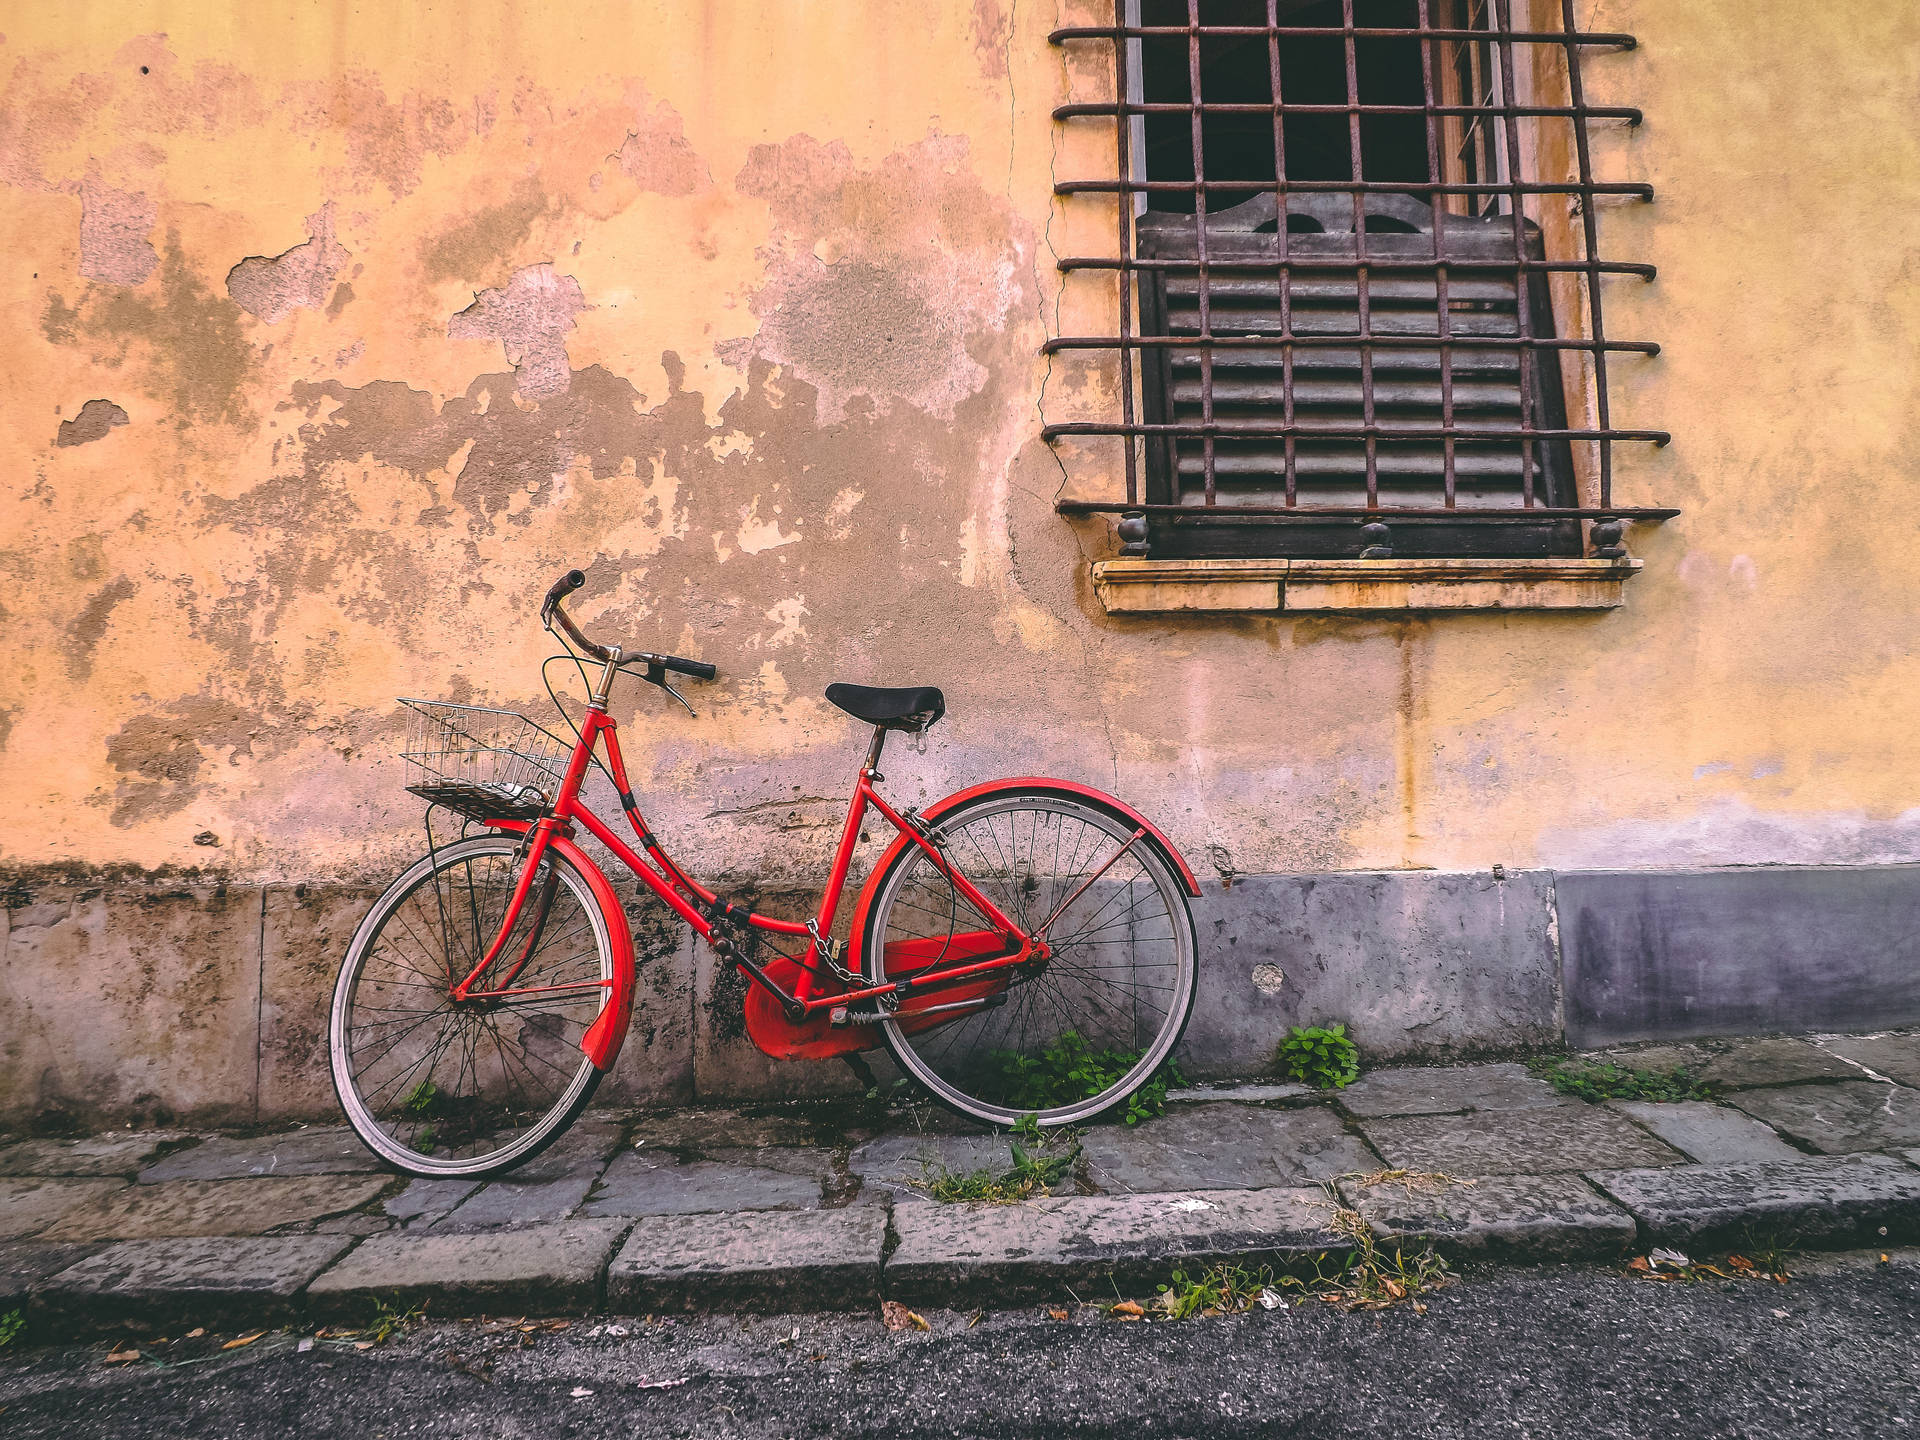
(1533, 1217)
(1824, 1202)
(205, 1280)
(765, 1260)
(964, 1254)
(549, 1268)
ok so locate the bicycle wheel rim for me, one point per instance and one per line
(473, 1128)
(954, 1060)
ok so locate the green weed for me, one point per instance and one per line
(12, 1325)
(1320, 1055)
(1070, 1070)
(1034, 1171)
(1594, 1081)
(1221, 1290)
(388, 1322)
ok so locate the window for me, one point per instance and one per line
(1359, 289)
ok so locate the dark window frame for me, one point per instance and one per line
(1200, 252)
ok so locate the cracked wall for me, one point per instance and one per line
(741, 310)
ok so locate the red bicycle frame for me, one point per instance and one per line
(707, 913)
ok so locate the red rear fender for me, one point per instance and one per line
(1068, 789)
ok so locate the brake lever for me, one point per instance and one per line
(657, 675)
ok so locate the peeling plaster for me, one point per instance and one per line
(657, 157)
(272, 289)
(95, 419)
(530, 317)
(114, 226)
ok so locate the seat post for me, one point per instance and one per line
(872, 766)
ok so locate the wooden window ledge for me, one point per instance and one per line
(1158, 587)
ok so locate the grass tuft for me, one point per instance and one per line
(1597, 1080)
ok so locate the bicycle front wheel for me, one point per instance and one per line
(1065, 1039)
(443, 1088)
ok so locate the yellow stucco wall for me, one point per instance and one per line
(799, 263)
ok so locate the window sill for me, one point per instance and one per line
(1159, 587)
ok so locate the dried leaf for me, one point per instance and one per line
(1056, 1313)
(1129, 1309)
(199, 1330)
(899, 1317)
(1639, 1262)
(243, 1340)
(363, 1344)
(1394, 1288)
(1739, 1262)
(121, 1357)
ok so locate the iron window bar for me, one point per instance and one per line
(1447, 357)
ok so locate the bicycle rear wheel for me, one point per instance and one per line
(1065, 1039)
(441, 1088)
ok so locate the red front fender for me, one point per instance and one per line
(601, 1044)
(1119, 808)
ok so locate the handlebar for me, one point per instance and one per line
(551, 610)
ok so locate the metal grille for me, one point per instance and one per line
(1336, 326)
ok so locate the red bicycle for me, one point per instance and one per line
(1009, 931)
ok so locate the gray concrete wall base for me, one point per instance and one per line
(158, 1004)
(1416, 964)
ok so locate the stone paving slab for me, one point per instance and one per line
(1447, 1090)
(1222, 1147)
(1895, 1056)
(29, 1205)
(24, 1263)
(1239, 1094)
(1815, 1200)
(428, 1199)
(214, 1207)
(724, 1128)
(321, 1150)
(1839, 1119)
(884, 1166)
(813, 1161)
(1709, 1134)
(951, 1255)
(200, 1281)
(637, 1184)
(507, 1203)
(1779, 1061)
(583, 1150)
(763, 1261)
(542, 1269)
(114, 1153)
(1518, 1142)
(1535, 1217)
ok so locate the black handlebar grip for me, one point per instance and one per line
(565, 586)
(699, 669)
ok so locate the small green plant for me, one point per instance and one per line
(1221, 1290)
(1320, 1055)
(1594, 1081)
(12, 1325)
(388, 1322)
(1070, 1070)
(1034, 1171)
(423, 1100)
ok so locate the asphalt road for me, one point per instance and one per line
(1573, 1354)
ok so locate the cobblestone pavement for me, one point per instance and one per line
(1809, 1142)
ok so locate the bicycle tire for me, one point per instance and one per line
(957, 1082)
(568, 1101)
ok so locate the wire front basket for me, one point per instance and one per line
(482, 763)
